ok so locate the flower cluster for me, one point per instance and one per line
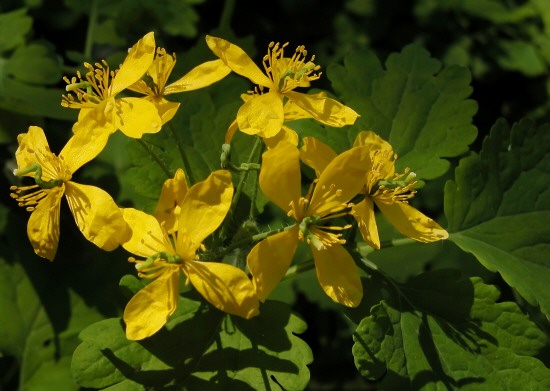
(170, 247)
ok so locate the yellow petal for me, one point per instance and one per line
(225, 287)
(239, 62)
(364, 215)
(148, 310)
(369, 138)
(269, 260)
(337, 273)
(231, 131)
(171, 196)
(280, 178)
(263, 113)
(135, 64)
(97, 216)
(166, 110)
(33, 148)
(146, 235)
(323, 109)
(136, 116)
(43, 224)
(84, 145)
(201, 76)
(99, 117)
(202, 211)
(345, 175)
(412, 223)
(286, 134)
(316, 154)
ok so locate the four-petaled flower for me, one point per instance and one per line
(280, 180)
(264, 111)
(96, 214)
(383, 187)
(169, 255)
(96, 94)
(154, 86)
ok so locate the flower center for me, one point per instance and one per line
(389, 189)
(289, 73)
(154, 265)
(91, 90)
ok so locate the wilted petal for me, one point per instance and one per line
(338, 275)
(135, 64)
(148, 310)
(316, 154)
(136, 116)
(43, 224)
(412, 223)
(269, 260)
(236, 59)
(97, 216)
(146, 236)
(201, 76)
(226, 287)
(280, 175)
(323, 109)
(203, 210)
(364, 215)
(263, 113)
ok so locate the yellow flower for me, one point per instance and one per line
(383, 187)
(96, 214)
(155, 87)
(96, 96)
(280, 180)
(169, 255)
(264, 112)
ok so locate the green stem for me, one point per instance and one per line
(227, 14)
(90, 31)
(254, 239)
(387, 243)
(294, 270)
(155, 157)
(185, 161)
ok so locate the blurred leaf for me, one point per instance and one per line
(520, 56)
(421, 110)
(14, 26)
(34, 64)
(444, 331)
(498, 205)
(199, 347)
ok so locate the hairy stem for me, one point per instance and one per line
(155, 157)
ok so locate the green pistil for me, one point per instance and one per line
(82, 85)
(310, 237)
(38, 176)
(162, 255)
(389, 184)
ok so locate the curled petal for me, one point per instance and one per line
(364, 215)
(226, 287)
(412, 223)
(166, 109)
(202, 211)
(236, 59)
(136, 63)
(97, 216)
(33, 148)
(337, 273)
(201, 76)
(323, 109)
(316, 154)
(136, 116)
(43, 225)
(372, 140)
(231, 130)
(171, 196)
(146, 235)
(285, 135)
(148, 310)
(263, 113)
(280, 175)
(269, 260)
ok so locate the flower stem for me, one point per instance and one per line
(227, 14)
(155, 157)
(90, 30)
(365, 249)
(254, 239)
(185, 161)
(295, 270)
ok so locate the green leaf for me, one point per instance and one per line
(498, 205)
(444, 331)
(199, 347)
(34, 64)
(14, 26)
(421, 110)
(521, 56)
